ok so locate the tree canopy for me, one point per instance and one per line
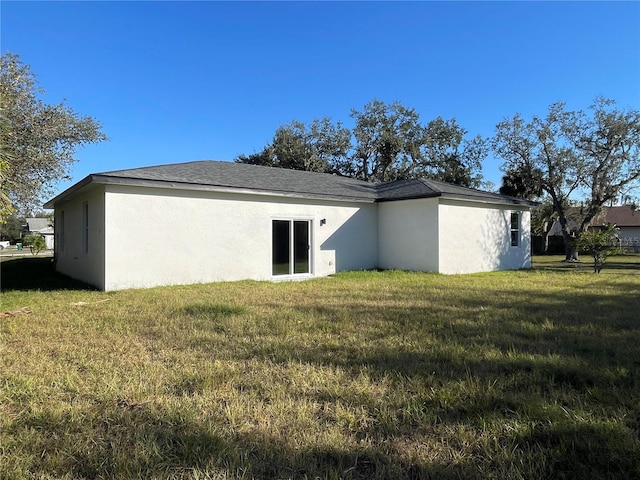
(387, 142)
(567, 154)
(38, 141)
(11, 228)
(314, 148)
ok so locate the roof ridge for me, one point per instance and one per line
(240, 165)
(148, 167)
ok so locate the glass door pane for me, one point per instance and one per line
(301, 246)
(281, 248)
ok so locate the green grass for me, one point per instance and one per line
(618, 265)
(394, 375)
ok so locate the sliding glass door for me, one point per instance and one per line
(291, 245)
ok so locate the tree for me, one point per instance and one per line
(38, 141)
(5, 202)
(522, 181)
(35, 242)
(600, 243)
(594, 155)
(449, 157)
(387, 142)
(292, 149)
(392, 144)
(264, 158)
(296, 146)
(11, 228)
(331, 143)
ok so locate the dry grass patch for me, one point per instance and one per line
(364, 375)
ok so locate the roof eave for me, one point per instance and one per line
(494, 201)
(102, 179)
(468, 198)
(408, 197)
(71, 191)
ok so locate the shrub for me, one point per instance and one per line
(35, 242)
(599, 244)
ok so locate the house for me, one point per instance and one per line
(40, 226)
(210, 221)
(625, 217)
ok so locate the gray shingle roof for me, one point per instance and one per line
(424, 188)
(252, 177)
(622, 216)
(229, 176)
(37, 224)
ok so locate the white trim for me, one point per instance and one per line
(517, 229)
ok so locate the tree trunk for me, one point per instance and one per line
(570, 248)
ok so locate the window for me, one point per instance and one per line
(85, 227)
(61, 232)
(515, 229)
(290, 247)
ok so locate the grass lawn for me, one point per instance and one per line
(366, 375)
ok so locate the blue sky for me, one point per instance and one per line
(182, 81)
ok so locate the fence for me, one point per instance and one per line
(556, 245)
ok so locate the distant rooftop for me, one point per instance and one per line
(623, 216)
(37, 224)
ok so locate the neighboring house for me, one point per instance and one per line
(42, 226)
(625, 217)
(556, 228)
(213, 221)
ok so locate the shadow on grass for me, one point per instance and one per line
(165, 444)
(35, 273)
(554, 353)
(168, 444)
(532, 359)
(628, 264)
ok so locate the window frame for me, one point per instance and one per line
(515, 230)
(85, 227)
(292, 246)
(61, 232)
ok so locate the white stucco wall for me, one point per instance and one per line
(408, 234)
(71, 259)
(169, 237)
(49, 241)
(475, 237)
(144, 237)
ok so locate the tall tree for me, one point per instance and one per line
(387, 142)
(317, 147)
(522, 182)
(38, 141)
(264, 157)
(449, 157)
(11, 228)
(594, 155)
(330, 142)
